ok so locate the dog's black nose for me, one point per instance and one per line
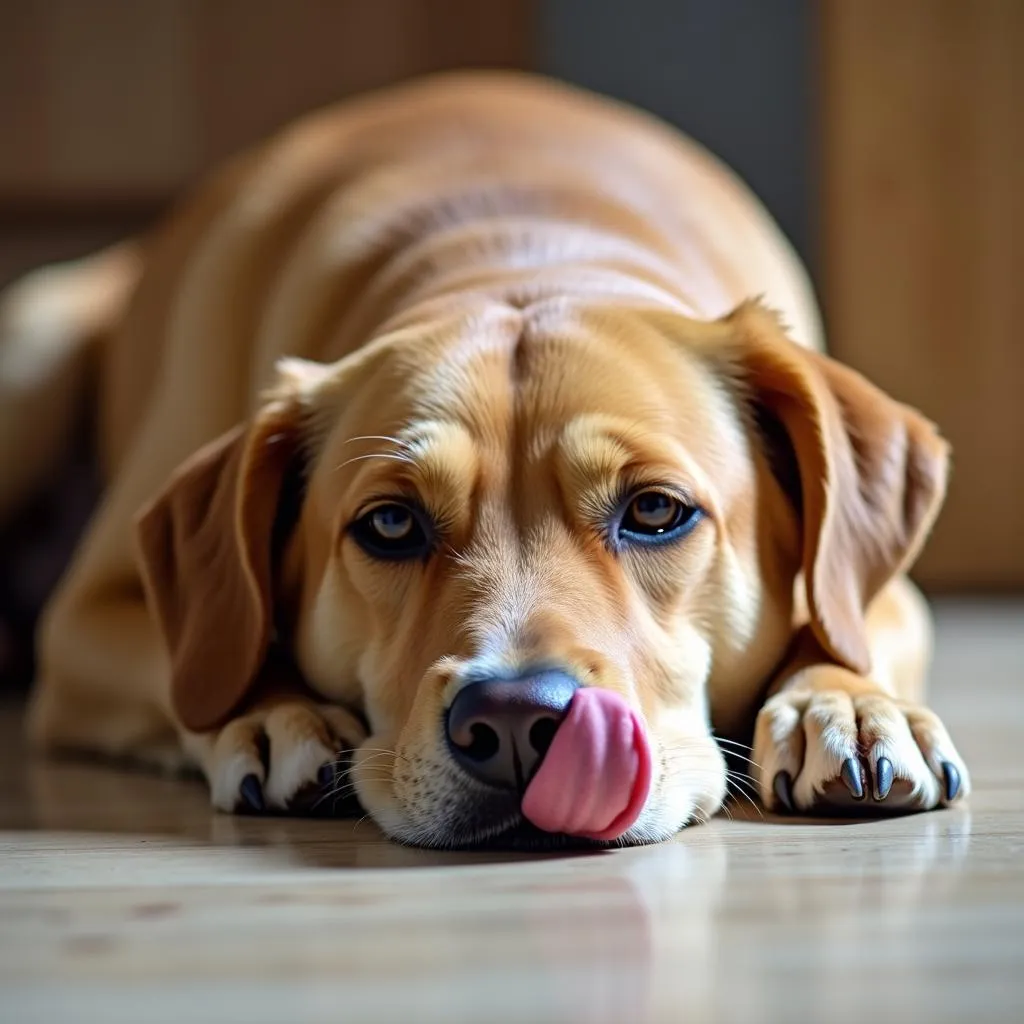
(500, 729)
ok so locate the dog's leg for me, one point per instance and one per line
(101, 681)
(828, 739)
(104, 687)
(282, 752)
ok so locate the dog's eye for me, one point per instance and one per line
(392, 523)
(656, 517)
(392, 531)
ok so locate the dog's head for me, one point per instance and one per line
(537, 549)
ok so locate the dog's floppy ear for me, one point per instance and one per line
(206, 562)
(872, 475)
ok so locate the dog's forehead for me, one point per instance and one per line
(488, 397)
(538, 373)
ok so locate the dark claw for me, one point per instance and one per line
(852, 778)
(952, 779)
(783, 787)
(883, 778)
(326, 776)
(252, 792)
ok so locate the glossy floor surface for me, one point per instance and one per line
(122, 898)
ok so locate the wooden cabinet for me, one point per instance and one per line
(109, 107)
(922, 130)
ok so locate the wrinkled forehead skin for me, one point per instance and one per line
(504, 403)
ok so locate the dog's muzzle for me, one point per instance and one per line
(579, 756)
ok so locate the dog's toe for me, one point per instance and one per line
(783, 789)
(828, 752)
(251, 792)
(285, 758)
(883, 776)
(301, 744)
(951, 778)
(236, 766)
(853, 778)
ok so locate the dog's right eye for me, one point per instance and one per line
(656, 517)
(393, 532)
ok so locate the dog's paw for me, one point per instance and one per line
(860, 753)
(285, 757)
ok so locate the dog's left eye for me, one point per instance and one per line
(656, 517)
(392, 531)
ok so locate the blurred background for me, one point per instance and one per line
(886, 136)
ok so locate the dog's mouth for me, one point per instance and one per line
(586, 792)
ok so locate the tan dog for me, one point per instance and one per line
(454, 412)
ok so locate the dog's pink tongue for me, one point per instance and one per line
(594, 779)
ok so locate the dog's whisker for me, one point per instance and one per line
(739, 776)
(741, 790)
(744, 795)
(731, 743)
(342, 791)
(372, 753)
(366, 772)
(344, 775)
(743, 787)
(377, 755)
(677, 752)
(393, 456)
(374, 772)
(748, 760)
(374, 775)
(397, 441)
(701, 817)
(736, 750)
(760, 813)
(457, 556)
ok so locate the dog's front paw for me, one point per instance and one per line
(285, 756)
(854, 751)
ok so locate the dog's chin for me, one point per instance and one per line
(513, 836)
(527, 838)
(518, 837)
(492, 820)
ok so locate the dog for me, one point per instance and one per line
(479, 428)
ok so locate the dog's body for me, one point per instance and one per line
(481, 282)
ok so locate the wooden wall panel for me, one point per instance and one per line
(922, 131)
(108, 108)
(106, 102)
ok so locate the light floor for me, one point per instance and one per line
(122, 898)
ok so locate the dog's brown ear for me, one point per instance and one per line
(872, 475)
(205, 557)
